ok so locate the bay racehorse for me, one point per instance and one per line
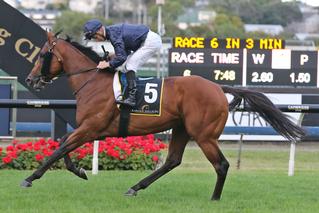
(192, 107)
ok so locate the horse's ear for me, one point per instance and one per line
(50, 36)
(57, 33)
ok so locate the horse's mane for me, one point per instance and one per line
(85, 50)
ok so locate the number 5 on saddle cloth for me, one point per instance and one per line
(148, 98)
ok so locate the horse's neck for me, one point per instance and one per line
(75, 61)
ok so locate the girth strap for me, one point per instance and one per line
(125, 112)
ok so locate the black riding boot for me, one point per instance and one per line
(131, 85)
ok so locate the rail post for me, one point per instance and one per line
(95, 160)
(292, 154)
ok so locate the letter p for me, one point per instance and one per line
(303, 59)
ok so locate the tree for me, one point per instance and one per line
(58, 6)
(170, 12)
(228, 26)
(280, 13)
(259, 11)
(72, 23)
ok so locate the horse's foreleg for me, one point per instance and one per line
(217, 159)
(74, 140)
(174, 158)
(80, 172)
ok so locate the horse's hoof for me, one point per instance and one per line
(215, 199)
(131, 192)
(25, 184)
(82, 174)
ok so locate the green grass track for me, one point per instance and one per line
(261, 185)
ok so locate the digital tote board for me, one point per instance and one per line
(244, 62)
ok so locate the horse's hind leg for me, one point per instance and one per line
(80, 172)
(217, 159)
(174, 158)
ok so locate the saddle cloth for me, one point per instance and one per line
(148, 97)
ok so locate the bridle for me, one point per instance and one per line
(45, 78)
(51, 51)
(47, 59)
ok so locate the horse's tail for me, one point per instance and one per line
(259, 103)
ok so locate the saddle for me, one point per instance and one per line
(148, 99)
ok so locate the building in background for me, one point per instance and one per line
(85, 6)
(195, 17)
(59, 1)
(13, 3)
(34, 4)
(271, 29)
(44, 18)
(308, 27)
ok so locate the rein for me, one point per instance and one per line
(85, 83)
(78, 72)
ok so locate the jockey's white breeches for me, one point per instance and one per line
(150, 46)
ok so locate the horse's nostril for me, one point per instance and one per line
(28, 80)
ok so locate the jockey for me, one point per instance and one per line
(133, 44)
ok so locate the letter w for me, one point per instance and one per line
(258, 58)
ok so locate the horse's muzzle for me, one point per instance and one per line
(36, 82)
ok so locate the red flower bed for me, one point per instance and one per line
(131, 153)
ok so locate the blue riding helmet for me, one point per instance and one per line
(91, 27)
